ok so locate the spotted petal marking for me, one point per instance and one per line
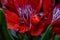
(26, 13)
(56, 14)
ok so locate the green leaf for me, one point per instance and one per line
(20, 36)
(57, 37)
(4, 26)
(0, 16)
(36, 37)
(47, 34)
(23, 36)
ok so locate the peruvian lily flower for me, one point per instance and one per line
(56, 19)
(45, 18)
(19, 13)
(23, 16)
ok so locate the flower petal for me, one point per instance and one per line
(56, 30)
(37, 30)
(23, 28)
(12, 17)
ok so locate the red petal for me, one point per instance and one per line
(13, 20)
(12, 17)
(36, 4)
(8, 4)
(48, 6)
(12, 26)
(23, 28)
(37, 30)
(35, 19)
(56, 30)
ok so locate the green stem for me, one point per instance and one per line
(47, 34)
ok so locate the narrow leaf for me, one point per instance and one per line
(4, 26)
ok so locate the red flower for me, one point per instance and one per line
(56, 19)
(23, 16)
(45, 19)
(19, 13)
